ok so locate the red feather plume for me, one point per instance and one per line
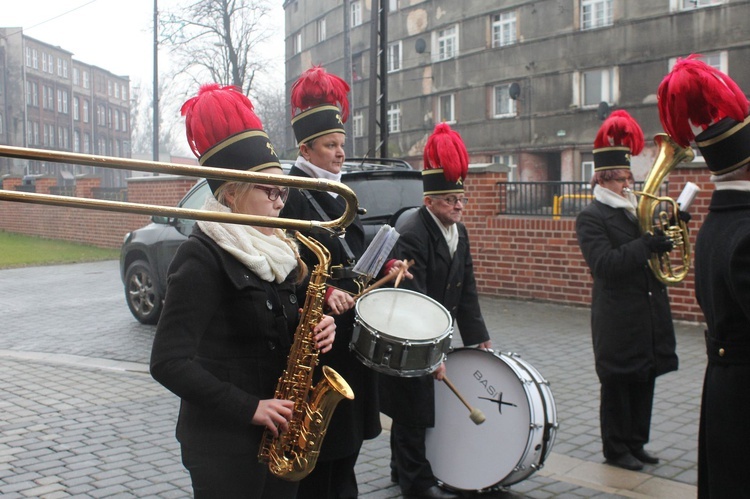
(620, 129)
(217, 112)
(445, 149)
(316, 87)
(698, 94)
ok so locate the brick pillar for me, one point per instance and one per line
(43, 184)
(86, 184)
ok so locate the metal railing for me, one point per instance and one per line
(549, 199)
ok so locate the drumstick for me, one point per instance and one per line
(401, 272)
(475, 415)
(383, 280)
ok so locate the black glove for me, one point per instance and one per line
(657, 243)
(683, 215)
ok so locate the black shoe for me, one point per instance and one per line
(433, 492)
(645, 457)
(626, 461)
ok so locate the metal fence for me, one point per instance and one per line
(110, 193)
(550, 199)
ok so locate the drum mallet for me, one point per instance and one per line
(475, 415)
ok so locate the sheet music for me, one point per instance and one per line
(687, 196)
(377, 252)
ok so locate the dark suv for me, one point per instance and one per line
(384, 187)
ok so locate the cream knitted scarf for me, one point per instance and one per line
(268, 257)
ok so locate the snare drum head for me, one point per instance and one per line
(404, 314)
(467, 456)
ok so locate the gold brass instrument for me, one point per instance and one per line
(293, 454)
(336, 226)
(670, 155)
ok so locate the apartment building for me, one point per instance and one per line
(526, 83)
(49, 100)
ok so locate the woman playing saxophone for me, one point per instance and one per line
(231, 311)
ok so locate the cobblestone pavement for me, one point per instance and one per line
(81, 417)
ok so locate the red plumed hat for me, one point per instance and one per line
(695, 94)
(223, 131)
(320, 104)
(619, 138)
(446, 162)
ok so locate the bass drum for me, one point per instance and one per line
(517, 435)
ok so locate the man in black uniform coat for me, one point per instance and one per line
(439, 245)
(722, 265)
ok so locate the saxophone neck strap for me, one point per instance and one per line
(324, 216)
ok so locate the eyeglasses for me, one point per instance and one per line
(452, 200)
(274, 193)
(622, 180)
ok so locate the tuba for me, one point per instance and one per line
(293, 454)
(667, 268)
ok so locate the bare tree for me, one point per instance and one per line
(219, 39)
(270, 105)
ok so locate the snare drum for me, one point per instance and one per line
(517, 435)
(401, 332)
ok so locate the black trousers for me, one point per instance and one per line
(331, 480)
(236, 476)
(409, 460)
(625, 415)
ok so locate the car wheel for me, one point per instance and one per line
(142, 294)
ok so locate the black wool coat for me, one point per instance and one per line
(353, 420)
(449, 281)
(631, 320)
(221, 344)
(722, 286)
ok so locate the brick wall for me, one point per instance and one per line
(537, 258)
(530, 258)
(105, 229)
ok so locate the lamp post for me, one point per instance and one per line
(155, 145)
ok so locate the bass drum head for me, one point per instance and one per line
(467, 456)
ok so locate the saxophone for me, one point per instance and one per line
(293, 454)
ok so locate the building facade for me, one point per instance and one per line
(526, 83)
(49, 100)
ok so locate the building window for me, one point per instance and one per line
(446, 43)
(355, 10)
(35, 65)
(44, 62)
(86, 143)
(447, 108)
(508, 160)
(32, 93)
(394, 56)
(504, 29)
(117, 120)
(85, 111)
(358, 125)
(76, 76)
(117, 91)
(124, 92)
(76, 141)
(357, 67)
(109, 88)
(76, 109)
(51, 64)
(393, 5)
(62, 101)
(28, 57)
(587, 171)
(321, 29)
(64, 137)
(695, 4)
(394, 118)
(124, 121)
(1, 124)
(86, 81)
(596, 13)
(598, 86)
(32, 135)
(503, 105)
(718, 60)
(49, 135)
(48, 98)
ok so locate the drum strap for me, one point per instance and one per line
(324, 216)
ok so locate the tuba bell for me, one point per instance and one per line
(669, 268)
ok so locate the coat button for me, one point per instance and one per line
(269, 304)
(246, 277)
(721, 352)
(292, 298)
(458, 285)
(271, 345)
